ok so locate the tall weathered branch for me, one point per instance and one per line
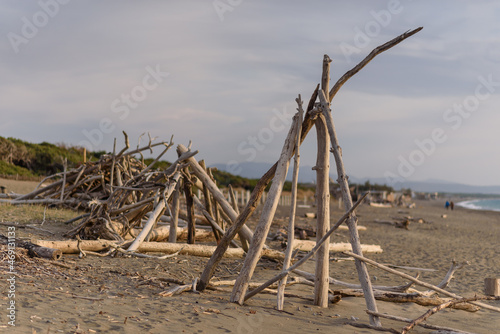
(293, 206)
(375, 52)
(352, 222)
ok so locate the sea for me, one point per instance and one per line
(492, 204)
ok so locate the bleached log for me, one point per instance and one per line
(70, 247)
(308, 245)
(358, 227)
(266, 217)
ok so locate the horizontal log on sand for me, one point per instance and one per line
(162, 233)
(71, 247)
(308, 245)
(346, 228)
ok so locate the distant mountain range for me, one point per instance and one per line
(255, 170)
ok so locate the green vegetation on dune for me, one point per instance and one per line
(28, 159)
(10, 169)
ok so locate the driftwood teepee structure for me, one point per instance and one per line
(318, 114)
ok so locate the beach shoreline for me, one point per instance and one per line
(481, 204)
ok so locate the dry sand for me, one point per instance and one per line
(121, 295)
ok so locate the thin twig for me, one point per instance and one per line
(427, 285)
(438, 308)
(424, 325)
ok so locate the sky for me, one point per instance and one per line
(224, 75)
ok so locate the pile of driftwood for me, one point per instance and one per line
(89, 181)
(125, 198)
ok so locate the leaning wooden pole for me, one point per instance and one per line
(321, 282)
(280, 298)
(268, 211)
(352, 222)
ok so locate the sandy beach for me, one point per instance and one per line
(122, 295)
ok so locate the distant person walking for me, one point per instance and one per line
(447, 205)
(452, 205)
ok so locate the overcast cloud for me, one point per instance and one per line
(221, 73)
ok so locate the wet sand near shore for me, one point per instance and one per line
(121, 295)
